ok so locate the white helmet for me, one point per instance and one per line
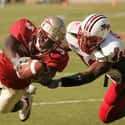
(51, 33)
(94, 29)
(72, 33)
(73, 27)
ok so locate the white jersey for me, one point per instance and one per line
(110, 50)
(72, 30)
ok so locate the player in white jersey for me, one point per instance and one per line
(72, 41)
(103, 51)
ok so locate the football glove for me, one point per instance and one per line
(18, 61)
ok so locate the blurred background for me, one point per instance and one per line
(63, 106)
(59, 1)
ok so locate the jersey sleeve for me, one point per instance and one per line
(57, 60)
(110, 52)
(22, 30)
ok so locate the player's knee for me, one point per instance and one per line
(103, 119)
(104, 114)
(5, 104)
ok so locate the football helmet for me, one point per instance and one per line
(50, 34)
(72, 34)
(94, 29)
(73, 27)
(72, 30)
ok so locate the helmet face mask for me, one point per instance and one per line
(94, 29)
(45, 44)
(88, 43)
(50, 34)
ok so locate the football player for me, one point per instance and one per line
(103, 52)
(26, 40)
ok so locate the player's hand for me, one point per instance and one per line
(54, 84)
(18, 61)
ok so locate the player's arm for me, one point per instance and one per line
(10, 47)
(46, 75)
(55, 62)
(93, 72)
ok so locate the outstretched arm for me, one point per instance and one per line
(45, 76)
(93, 72)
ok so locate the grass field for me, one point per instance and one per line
(63, 106)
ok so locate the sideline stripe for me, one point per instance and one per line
(67, 102)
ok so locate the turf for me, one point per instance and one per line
(77, 108)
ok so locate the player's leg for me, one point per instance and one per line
(25, 111)
(113, 103)
(9, 98)
(12, 100)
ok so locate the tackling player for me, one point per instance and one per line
(26, 40)
(103, 52)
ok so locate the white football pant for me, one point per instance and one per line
(9, 97)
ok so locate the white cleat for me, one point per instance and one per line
(24, 113)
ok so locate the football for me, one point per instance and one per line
(28, 68)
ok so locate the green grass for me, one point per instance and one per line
(84, 113)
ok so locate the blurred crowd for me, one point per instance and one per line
(4, 2)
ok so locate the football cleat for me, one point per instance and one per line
(24, 113)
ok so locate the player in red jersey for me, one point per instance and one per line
(26, 40)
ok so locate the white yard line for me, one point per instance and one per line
(91, 100)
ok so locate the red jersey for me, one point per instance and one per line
(8, 75)
(57, 59)
(23, 30)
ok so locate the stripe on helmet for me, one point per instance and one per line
(88, 21)
(90, 28)
(92, 21)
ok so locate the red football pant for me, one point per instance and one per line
(114, 102)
